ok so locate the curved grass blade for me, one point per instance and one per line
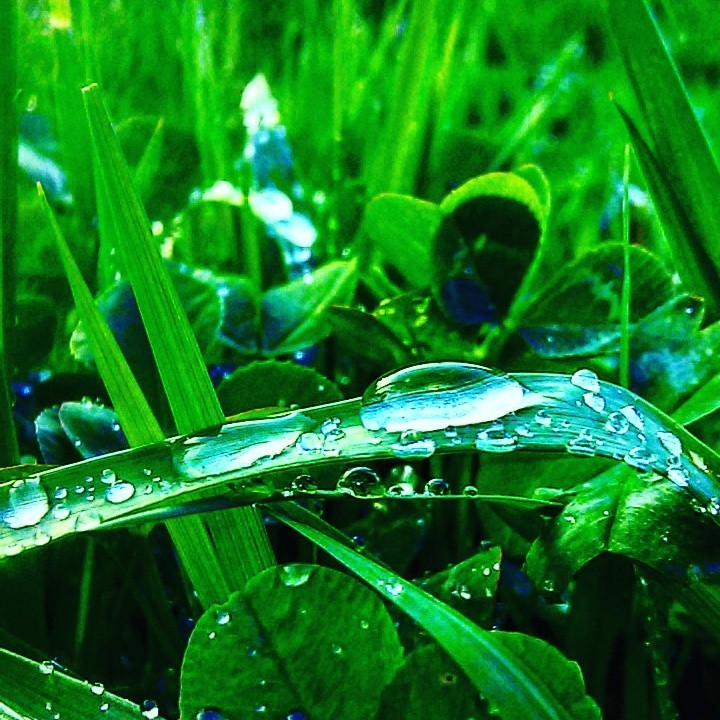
(685, 163)
(518, 675)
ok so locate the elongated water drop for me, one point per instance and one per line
(436, 396)
(670, 442)
(26, 505)
(586, 380)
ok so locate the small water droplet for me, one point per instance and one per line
(210, 714)
(496, 439)
(119, 492)
(392, 586)
(400, 489)
(60, 512)
(640, 458)
(60, 493)
(108, 476)
(97, 688)
(470, 491)
(364, 624)
(633, 416)
(361, 482)
(413, 446)
(542, 418)
(586, 380)
(336, 649)
(46, 667)
(295, 575)
(212, 635)
(594, 401)
(437, 486)
(670, 442)
(617, 423)
(678, 475)
(149, 709)
(584, 444)
(87, 520)
(26, 505)
(310, 442)
(104, 707)
(222, 617)
(260, 708)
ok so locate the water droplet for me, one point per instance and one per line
(361, 482)
(60, 493)
(640, 458)
(104, 707)
(678, 475)
(97, 688)
(60, 512)
(364, 624)
(212, 635)
(46, 667)
(222, 617)
(496, 439)
(586, 380)
(119, 492)
(594, 401)
(336, 649)
(400, 489)
(437, 486)
(448, 678)
(584, 444)
(633, 416)
(260, 708)
(108, 476)
(331, 429)
(27, 504)
(149, 709)
(87, 520)
(436, 396)
(210, 714)
(413, 446)
(392, 587)
(670, 442)
(295, 575)
(542, 418)
(310, 442)
(304, 484)
(617, 423)
(470, 491)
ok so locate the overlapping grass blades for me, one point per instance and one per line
(241, 541)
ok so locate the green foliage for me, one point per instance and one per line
(409, 192)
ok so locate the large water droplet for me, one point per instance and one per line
(437, 486)
(361, 482)
(436, 396)
(295, 575)
(119, 492)
(634, 416)
(617, 423)
(586, 380)
(26, 505)
(496, 439)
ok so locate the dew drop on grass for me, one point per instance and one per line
(678, 475)
(222, 617)
(210, 714)
(310, 442)
(304, 484)
(617, 423)
(496, 439)
(119, 492)
(413, 446)
(97, 688)
(586, 380)
(26, 505)
(400, 490)
(87, 520)
(46, 667)
(336, 649)
(104, 707)
(149, 709)
(542, 418)
(670, 442)
(633, 416)
(60, 512)
(436, 487)
(594, 401)
(470, 491)
(584, 444)
(640, 458)
(295, 575)
(361, 482)
(60, 493)
(436, 396)
(108, 476)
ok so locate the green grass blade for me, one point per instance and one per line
(37, 690)
(693, 263)
(501, 668)
(182, 370)
(685, 159)
(626, 286)
(9, 452)
(136, 418)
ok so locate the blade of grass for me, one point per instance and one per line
(682, 234)
(513, 686)
(240, 538)
(676, 137)
(137, 419)
(626, 287)
(9, 452)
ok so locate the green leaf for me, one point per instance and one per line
(299, 638)
(429, 685)
(401, 229)
(485, 245)
(519, 676)
(275, 384)
(293, 315)
(33, 690)
(685, 165)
